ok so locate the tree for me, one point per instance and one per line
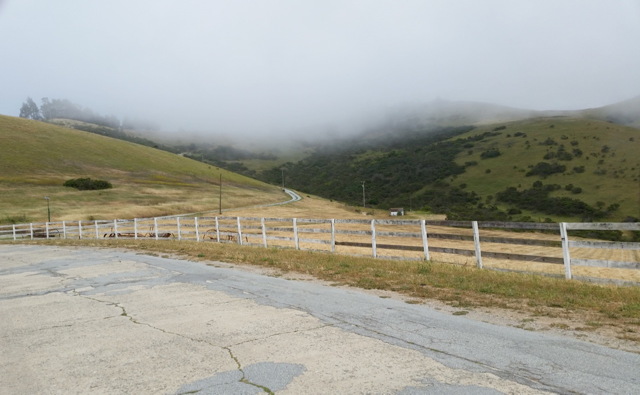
(30, 110)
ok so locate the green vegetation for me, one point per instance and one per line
(490, 153)
(544, 169)
(87, 184)
(595, 176)
(392, 169)
(460, 171)
(537, 199)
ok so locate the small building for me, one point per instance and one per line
(394, 212)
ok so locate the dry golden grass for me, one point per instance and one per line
(317, 208)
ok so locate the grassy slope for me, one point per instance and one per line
(620, 184)
(36, 158)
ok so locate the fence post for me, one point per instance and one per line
(195, 222)
(95, 223)
(14, 232)
(264, 233)
(178, 225)
(31, 229)
(46, 226)
(64, 230)
(239, 231)
(565, 250)
(80, 229)
(295, 233)
(425, 242)
(333, 235)
(217, 230)
(155, 226)
(135, 228)
(115, 228)
(476, 242)
(374, 249)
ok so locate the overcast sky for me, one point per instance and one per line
(261, 66)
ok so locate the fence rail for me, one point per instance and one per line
(410, 239)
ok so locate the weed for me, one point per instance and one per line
(269, 261)
(559, 325)
(424, 268)
(16, 219)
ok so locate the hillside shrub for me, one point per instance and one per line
(87, 184)
(490, 153)
(537, 199)
(544, 169)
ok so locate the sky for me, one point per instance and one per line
(261, 67)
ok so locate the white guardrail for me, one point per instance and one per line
(407, 239)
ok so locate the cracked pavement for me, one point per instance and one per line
(78, 320)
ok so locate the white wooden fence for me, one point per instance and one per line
(409, 238)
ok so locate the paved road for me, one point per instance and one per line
(78, 320)
(293, 195)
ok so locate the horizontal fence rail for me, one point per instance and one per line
(392, 239)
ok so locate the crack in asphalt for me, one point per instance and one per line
(124, 313)
(382, 335)
(282, 333)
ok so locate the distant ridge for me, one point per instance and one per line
(442, 112)
(626, 112)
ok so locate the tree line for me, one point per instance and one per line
(50, 109)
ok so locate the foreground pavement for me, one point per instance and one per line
(80, 320)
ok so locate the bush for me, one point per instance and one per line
(490, 153)
(86, 184)
(544, 169)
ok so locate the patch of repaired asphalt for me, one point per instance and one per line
(252, 379)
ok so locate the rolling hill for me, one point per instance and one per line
(595, 162)
(625, 113)
(36, 158)
(537, 169)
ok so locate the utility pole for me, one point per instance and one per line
(282, 169)
(364, 204)
(48, 209)
(220, 197)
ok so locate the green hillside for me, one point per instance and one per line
(36, 158)
(556, 168)
(601, 162)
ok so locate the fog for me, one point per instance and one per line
(267, 68)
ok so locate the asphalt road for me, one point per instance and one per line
(79, 320)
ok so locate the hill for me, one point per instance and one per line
(550, 168)
(591, 161)
(36, 158)
(624, 113)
